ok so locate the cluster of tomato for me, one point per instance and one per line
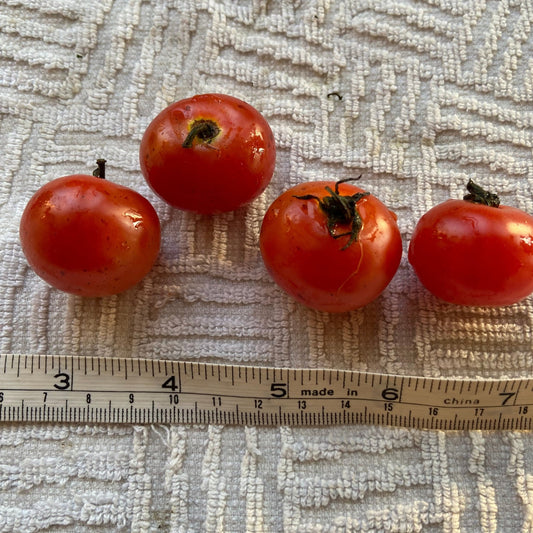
(330, 245)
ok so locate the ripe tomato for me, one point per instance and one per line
(474, 251)
(331, 246)
(88, 236)
(209, 154)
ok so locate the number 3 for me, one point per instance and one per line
(64, 382)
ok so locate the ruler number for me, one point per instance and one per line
(170, 383)
(507, 396)
(522, 410)
(278, 390)
(174, 399)
(390, 394)
(64, 381)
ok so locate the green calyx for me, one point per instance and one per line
(478, 195)
(340, 210)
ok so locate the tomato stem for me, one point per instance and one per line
(478, 195)
(340, 210)
(203, 130)
(99, 172)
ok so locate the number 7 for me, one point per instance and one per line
(508, 396)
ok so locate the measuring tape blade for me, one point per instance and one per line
(53, 388)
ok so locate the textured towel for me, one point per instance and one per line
(429, 94)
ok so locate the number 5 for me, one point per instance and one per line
(278, 390)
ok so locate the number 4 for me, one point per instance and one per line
(170, 383)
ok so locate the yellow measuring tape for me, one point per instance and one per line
(53, 388)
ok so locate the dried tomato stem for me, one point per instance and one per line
(478, 195)
(340, 210)
(203, 130)
(99, 172)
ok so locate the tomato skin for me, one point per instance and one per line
(217, 176)
(312, 266)
(476, 255)
(88, 236)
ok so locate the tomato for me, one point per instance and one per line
(88, 236)
(331, 246)
(211, 153)
(474, 251)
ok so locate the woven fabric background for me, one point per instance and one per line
(433, 92)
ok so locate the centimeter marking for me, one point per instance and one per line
(54, 388)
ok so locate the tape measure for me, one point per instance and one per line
(53, 388)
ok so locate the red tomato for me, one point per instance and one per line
(209, 154)
(88, 236)
(474, 251)
(331, 246)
